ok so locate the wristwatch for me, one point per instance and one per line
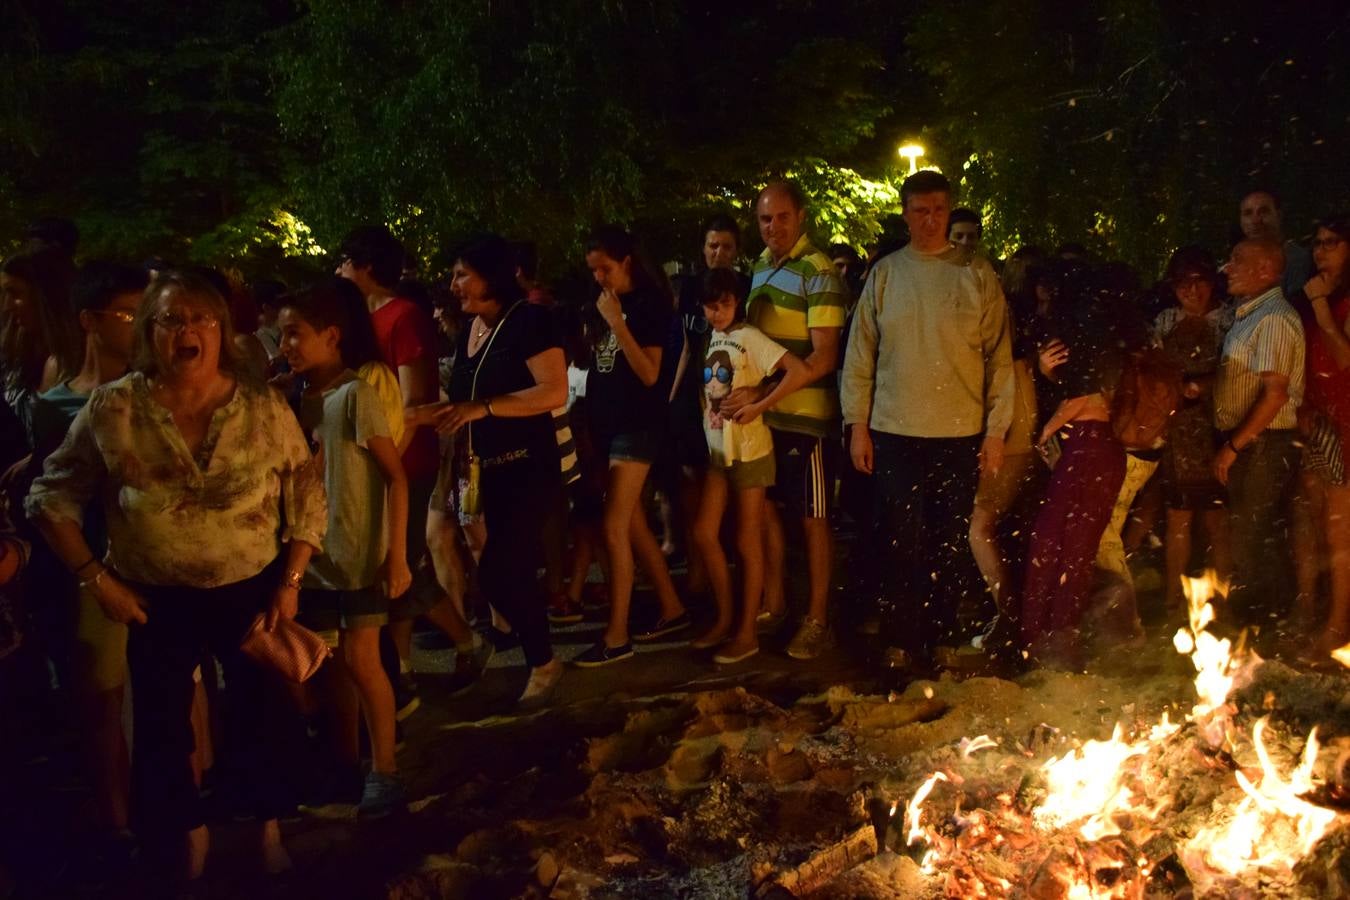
(293, 579)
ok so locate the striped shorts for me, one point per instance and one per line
(805, 480)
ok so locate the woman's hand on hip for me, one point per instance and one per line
(118, 602)
(285, 604)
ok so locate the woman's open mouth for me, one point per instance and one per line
(187, 354)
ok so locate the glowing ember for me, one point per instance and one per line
(914, 814)
(1273, 827)
(1083, 839)
(1218, 671)
(1087, 786)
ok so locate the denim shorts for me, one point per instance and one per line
(327, 612)
(633, 446)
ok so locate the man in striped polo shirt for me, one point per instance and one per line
(1256, 396)
(798, 300)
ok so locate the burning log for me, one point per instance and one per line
(821, 867)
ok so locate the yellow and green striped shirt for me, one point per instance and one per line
(787, 300)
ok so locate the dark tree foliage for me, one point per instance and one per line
(540, 118)
(150, 124)
(1135, 126)
(211, 131)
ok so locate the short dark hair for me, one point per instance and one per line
(924, 181)
(99, 281)
(718, 283)
(793, 191)
(527, 258)
(1337, 223)
(965, 214)
(494, 260)
(723, 222)
(1192, 259)
(1263, 189)
(375, 246)
(334, 302)
(844, 250)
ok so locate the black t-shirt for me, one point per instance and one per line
(617, 402)
(526, 332)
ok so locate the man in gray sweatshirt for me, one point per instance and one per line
(927, 393)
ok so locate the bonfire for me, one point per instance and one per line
(1103, 820)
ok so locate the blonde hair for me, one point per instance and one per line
(200, 289)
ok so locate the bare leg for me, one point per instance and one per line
(623, 499)
(667, 517)
(653, 562)
(750, 505)
(984, 547)
(275, 859)
(203, 751)
(1178, 556)
(441, 543)
(691, 492)
(401, 633)
(819, 544)
(775, 553)
(708, 544)
(359, 653)
(196, 846)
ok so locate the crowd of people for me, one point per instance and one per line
(189, 456)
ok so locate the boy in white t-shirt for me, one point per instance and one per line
(740, 449)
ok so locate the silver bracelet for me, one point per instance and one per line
(92, 582)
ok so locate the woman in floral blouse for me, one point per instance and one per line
(214, 507)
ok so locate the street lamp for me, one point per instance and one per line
(911, 152)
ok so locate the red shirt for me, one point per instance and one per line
(406, 334)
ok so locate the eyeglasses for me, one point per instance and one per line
(722, 375)
(125, 316)
(1189, 282)
(177, 322)
(1327, 243)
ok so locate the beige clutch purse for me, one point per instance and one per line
(291, 650)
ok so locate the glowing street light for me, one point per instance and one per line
(911, 152)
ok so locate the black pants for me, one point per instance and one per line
(926, 491)
(517, 501)
(182, 624)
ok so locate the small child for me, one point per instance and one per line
(346, 591)
(740, 449)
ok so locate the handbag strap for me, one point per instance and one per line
(473, 385)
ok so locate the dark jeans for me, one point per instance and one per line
(1260, 483)
(182, 625)
(1078, 503)
(517, 502)
(926, 491)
